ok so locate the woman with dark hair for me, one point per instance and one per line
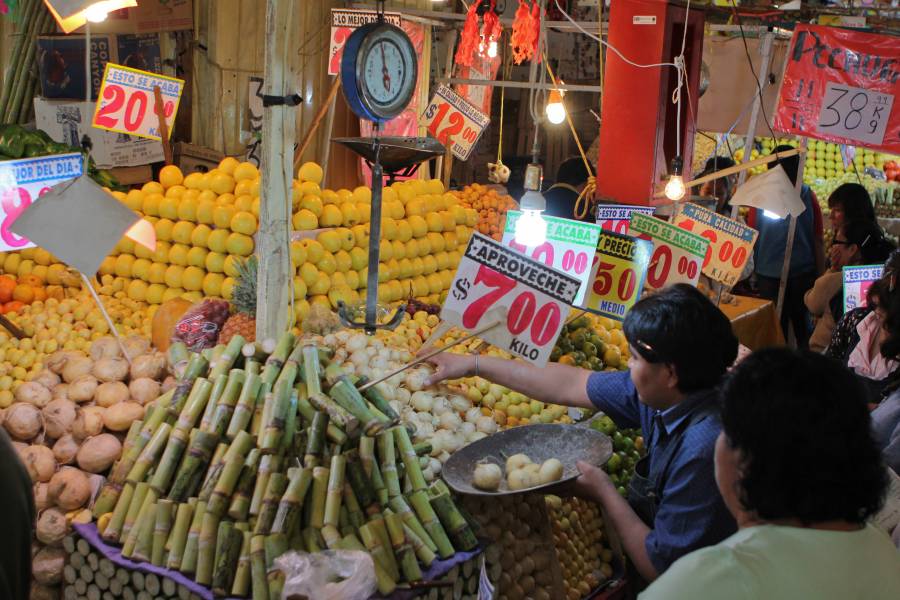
(856, 243)
(799, 470)
(850, 202)
(722, 188)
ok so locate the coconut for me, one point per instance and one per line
(152, 366)
(83, 388)
(48, 379)
(42, 498)
(58, 418)
(51, 527)
(47, 566)
(65, 449)
(99, 453)
(76, 366)
(88, 422)
(23, 421)
(119, 417)
(70, 488)
(110, 369)
(56, 362)
(105, 347)
(61, 391)
(19, 447)
(39, 462)
(34, 393)
(143, 390)
(111, 393)
(136, 345)
(43, 592)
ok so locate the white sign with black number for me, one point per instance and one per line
(855, 113)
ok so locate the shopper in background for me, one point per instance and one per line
(807, 255)
(855, 243)
(723, 187)
(571, 177)
(17, 514)
(681, 346)
(850, 202)
(799, 470)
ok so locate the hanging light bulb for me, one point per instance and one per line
(96, 13)
(556, 110)
(492, 49)
(531, 228)
(675, 189)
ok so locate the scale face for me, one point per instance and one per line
(379, 70)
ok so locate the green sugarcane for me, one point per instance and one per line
(380, 416)
(246, 403)
(400, 506)
(107, 499)
(192, 544)
(227, 359)
(310, 538)
(267, 465)
(331, 536)
(290, 425)
(276, 417)
(233, 463)
(430, 522)
(140, 524)
(228, 553)
(454, 523)
(134, 508)
(177, 354)
(212, 475)
(254, 351)
(163, 525)
(253, 367)
(240, 500)
(225, 406)
(287, 518)
(386, 585)
(422, 449)
(260, 584)
(344, 525)
(410, 458)
(354, 511)
(379, 553)
(332, 373)
(151, 424)
(319, 491)
(274, 491)
(150, 454)
(196, 367)
(360, 485)
(241, 584)
(315, 441)
(403, 550)
(375, 395)
(143, 543)
(114, 527)
(388, 463)
(162, 474)
(336, 413)
(199, 454)
(377, 526)
(276, 360)
(425, 554)
(312, 368)
(196, 402)
(367, 453)
(214, 395)
(349, 398)
(276, 544)
(291, 368)
(308, 412)
(179, 535)
(206, 548)
(335, 490)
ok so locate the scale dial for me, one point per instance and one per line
(378, 71)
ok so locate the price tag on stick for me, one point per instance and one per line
(126, 102)
(619, 272)
(531, 299)
(857, 281)
(730, 241)
(569, 248)
(454, 122)
(677, 253)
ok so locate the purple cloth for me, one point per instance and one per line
(114, 553)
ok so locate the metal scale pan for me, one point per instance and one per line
(399, 156)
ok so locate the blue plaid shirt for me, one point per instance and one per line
(691, 512)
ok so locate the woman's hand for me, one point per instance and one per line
(450, 366)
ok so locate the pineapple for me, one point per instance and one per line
(243, 300)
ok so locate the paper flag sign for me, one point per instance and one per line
(771, 190)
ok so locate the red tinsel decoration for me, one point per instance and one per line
(525, 31)
(491, 31)
(469, 39)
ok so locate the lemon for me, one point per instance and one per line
(244, 203)
(140, 269)
(388, 229)
(337, 279)
(404, 268)
(358, 258)
(221, 183)
(453, 258)
(305, 220)
(342, 294)
(384, 272)
(176, 192)
(350, 214)
(205, 211)
(239, 244)
(230, 266)
(412, 248)
(398, 249)
(434, 186)
(227, 288)
(170, 175)
(187, 209)
(217, 240)
(348, 240)
(344, 194)
(182, 231)
(360, 235)
(161, 254)
(384, 293)
(442, 259)
(155, 293)
(363, 193)
(343, 260)
(435, 285)
(447, 276)
(417, 267)
(321, 285)
(301, 309)
(330, 240)
(471, 217)
(308, 273)
(192, 279)
(200, 235)
(107, 266)
(450, 240)
(314, 250)
(151, 204)
(420, 286)
(194, 181)
(418, 225)
(137, 290)
(228, 164)
(215, 262)
(424, 246)
(157, 273)
(225, 199)
(310, 171)
(245, 170)
(178, 254)
(243, 222)
(222, 216)
(173, 276)
(299, 288)
(331, 216)
(196, 256)
(122, 267)
(385, 250)
(298, 253)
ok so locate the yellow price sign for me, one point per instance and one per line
(620, 268)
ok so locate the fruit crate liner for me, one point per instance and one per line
(89, 532)
(568, 443)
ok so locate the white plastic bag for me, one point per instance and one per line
(329, 575)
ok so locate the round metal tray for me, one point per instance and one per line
(568, 443)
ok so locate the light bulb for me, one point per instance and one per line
(492, 49)
(556, 111)
(675, 188)
(96, 13)
(531, 228)
(770, 215)
(143, 233)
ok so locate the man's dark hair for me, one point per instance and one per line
(572, 171)
(790, 164)
(717, 163)
(854, 200)
(681, 327)
(801, 424)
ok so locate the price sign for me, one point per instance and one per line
(619, 272)
(857, 281)
(497, 284)
(454, 121)
(839, 85)
(730, 241)
(126, 103)
(343, 22)
(615, 217)
(569, 248)
(677, 254)
(23, 182)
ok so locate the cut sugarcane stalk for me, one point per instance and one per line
(240, 501)
(241, 584)
(290, 428)
(359, 483)
(107, 499)
(287, 518)
(315, 441)
(336, 413)
(141, 526)
(274, 491)
(267, 465)
(344, 525)
(260, 584)
(196, 402)
(233, 463)
(276, 544)
(276, 417)
(312, 368)
(177, 355)
(308, 411)
(150, 454)
(192, 545)
(183, 517)
(386, 585)
(453, 522)
(151, 424)
(422, 449)
(320, 477)
(376, 397)
(388, 463)
(403, 550)
(335, 490)
(214, 395)
(354, 511)
(228, 551)
(348, 398)
(425, 554)
(143, 545)
(114, 527)
(246, 403)
(254, 351)
(206, 548)
(134, 508)
(399, 506)
(196, 367)
(331, 536)
(212, 475)
(163, 525)
(291, 367)
(410, 458)
(225, 406)
(162, 475)
(276, 360)
(430, 522)
(379, 553)
(311, 540)
(227, 359)
(377, 526)
(198, 456)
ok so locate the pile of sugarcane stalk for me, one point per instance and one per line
(21, 82)
(250, 456)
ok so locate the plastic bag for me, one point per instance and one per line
(199, 327)
(328, 575)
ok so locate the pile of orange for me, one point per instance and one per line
(491, 206)
(16, 294)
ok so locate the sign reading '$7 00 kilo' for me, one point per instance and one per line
(529, 300)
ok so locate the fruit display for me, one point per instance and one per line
(892, 170)
(887, 203)
(628, 447)
(39, 268)
(592, 342)
(205, 488)
(491, 206)
(583, 548)
(15, 295)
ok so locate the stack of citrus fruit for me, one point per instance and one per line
(29, 288)
(490, 205)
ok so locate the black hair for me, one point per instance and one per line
(885, 294)
(717, 163)
(790, 164)
(572, 171)
(681, 327)
(801, 424)
(874, 248)
(854, 200)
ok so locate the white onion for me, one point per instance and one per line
(486, 424)
(415, 379)
(467, 429)
(422, 401)
(453, 442)
(441, 406)
(357, 342)
(478, 435)
(401, 394)
(379, 362)
(424, 430)
(435, 465)
(443, 456)
(342, 336)
(428, 474)
(360, 358)
(473, 414)
(451, 421)
(460, 403)
(330, 340)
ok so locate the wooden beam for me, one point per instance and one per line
(274, 274)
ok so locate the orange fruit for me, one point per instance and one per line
(7, 286)
(23, 293)
(40, 294)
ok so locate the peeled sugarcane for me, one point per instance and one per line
(162, 527)
(255, 351)
(388, 463)
(233, 463)
(114, 527)
(241, 584)
(320, 477)
(275, 545)
(386, 585)
(226, 360)
(335, 490)
(260, 583)
(246, 403)
(192, 544)
(422, 506)
(206, 548)
(198, 456)
(179, 534)
(228, 551)
(349, 398)
(287, 517)
(399, 506)
(403, 550)
(225, 406)
(308, 412)
(267, 465)
(134, 509)
(240, 500)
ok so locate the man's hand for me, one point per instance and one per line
(588, 485)
(450, 366)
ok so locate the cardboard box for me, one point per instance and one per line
(191, 158)
(61, 60)
(132, 175)
(67, 122)
(149, 16)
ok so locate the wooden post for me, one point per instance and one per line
(160, 109)
(277, 173)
